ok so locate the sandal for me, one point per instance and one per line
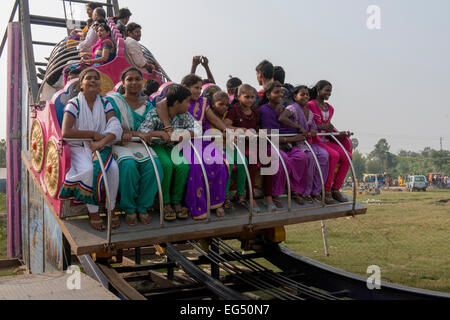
(115, 222)
(298, 198)
(169, 214)
(270, 207)
(97, 224)
(183, 213)
(145, 219)
(241, 201)
(278, 203)
(308, 199)
(131, 219)
(228, 204)
(317, 198)
(220, 212)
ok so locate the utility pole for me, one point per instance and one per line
(441, 139)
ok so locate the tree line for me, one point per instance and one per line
(2, 153)
(405, 163)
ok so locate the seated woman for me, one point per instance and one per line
(103, 51)
(217, 172)
(138, 185)
(298, 117)
(295, 158)
(323, 113)
(176, 168)
(88, 116)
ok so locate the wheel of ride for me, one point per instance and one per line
(51, 174)
(37, 147)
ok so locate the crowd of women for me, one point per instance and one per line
(187, 112)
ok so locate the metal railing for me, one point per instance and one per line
(207, 191)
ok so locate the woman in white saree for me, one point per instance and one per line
(88, 116)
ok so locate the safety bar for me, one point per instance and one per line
(353, 170)
(249, 180)
(332, 135)
(320, 171)
(108, 197)
(105, 178)
(288, 181)
(158, 181)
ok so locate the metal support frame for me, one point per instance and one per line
(249, 180)
(158, 181)
(288, 181)
(11, 18)
(28, 49)
(108, 198)
(353, 170)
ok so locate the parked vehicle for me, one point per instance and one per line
(414, 183)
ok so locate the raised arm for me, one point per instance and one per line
(196, 60)
(205, 64)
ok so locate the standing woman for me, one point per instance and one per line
(323, 113)
(138, 185)
(88, 116)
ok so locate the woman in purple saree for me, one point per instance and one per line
(213, 158)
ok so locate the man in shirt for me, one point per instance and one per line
(264, 75)
(133, 50)
(91, 37)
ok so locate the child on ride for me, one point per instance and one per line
(299, 117)
(294, 157)
(220, 109)
(88, 116)
(217, 171)
(176, 170)
(323, 113)
(245, 115)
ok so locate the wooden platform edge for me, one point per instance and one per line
(222, 232)
(63, 228)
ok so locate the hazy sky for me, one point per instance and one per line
(389, 83)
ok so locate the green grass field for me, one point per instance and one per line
(407, 235)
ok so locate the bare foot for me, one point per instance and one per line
(220, 212)
(115, 221)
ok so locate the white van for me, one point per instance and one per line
(414, 183)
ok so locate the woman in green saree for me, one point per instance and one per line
(138, 184)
